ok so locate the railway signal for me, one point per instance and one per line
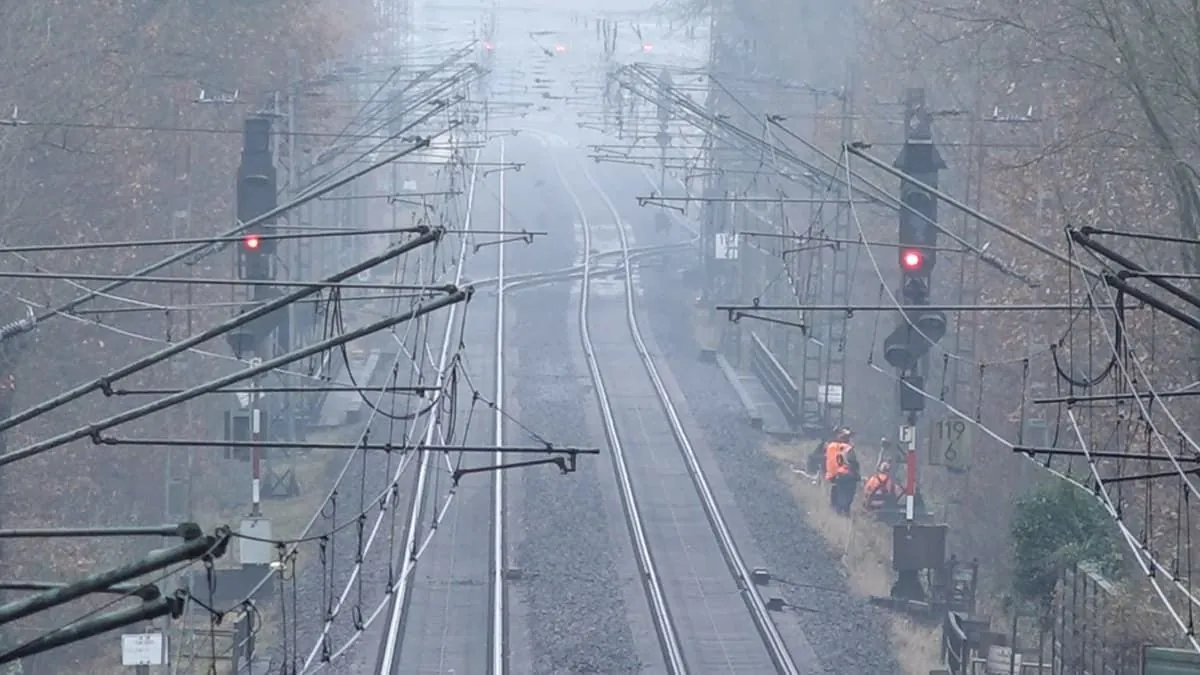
(257, 190)
(256, 194)
(913, 338)
(919, 328)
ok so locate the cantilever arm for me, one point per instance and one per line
(81, 630)
(209, 545)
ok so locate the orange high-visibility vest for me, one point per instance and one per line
(835, 465)
(878, 483)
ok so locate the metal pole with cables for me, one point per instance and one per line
(257, 193)
(919, 325)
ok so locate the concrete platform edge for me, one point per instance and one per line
(752, 412)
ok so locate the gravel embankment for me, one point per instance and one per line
(576, 616)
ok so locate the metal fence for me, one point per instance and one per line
(1085, 632)
(1084, 626)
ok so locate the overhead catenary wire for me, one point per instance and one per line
(425, 74)
(103, 383)
(1146, 560)
(903, 311)
(360, 623)
(120, 299)
(400, 599)
(769, 152)
(94, 428)
(172, 308)
(152, 340)
(385, 500)
(857, 151)
(1119, 352)
(1149, 564)
(1115, 339)
(213, 281)
(149, 243)
(429, 98)
(412, 550)
(199, 250)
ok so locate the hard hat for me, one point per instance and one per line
(885, 467)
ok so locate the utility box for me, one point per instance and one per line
(918, 547)
(254, 546)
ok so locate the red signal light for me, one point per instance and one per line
(912, 259)
(647, 48)
(488, 45)
(252, 242)
(560, 48)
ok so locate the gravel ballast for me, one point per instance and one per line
(569, 587)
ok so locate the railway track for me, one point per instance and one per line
(394, 633)
(657, 532)
(417, 539)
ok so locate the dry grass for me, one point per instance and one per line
(864, 548)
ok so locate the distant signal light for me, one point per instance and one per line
(488, 45)
(647, 48)
(252, 242)
(912, 259)
(560, 48)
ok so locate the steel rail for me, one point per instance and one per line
(497, 659)
(651, 581)
(772, 639)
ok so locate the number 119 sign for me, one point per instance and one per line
(950, 443)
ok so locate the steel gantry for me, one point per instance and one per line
(825, 261)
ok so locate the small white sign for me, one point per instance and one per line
(830, 394)
(410, 186)
(144, 649)
(725, 246)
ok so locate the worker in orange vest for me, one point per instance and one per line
(881, 491)
(841, 471)
(833, 452)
